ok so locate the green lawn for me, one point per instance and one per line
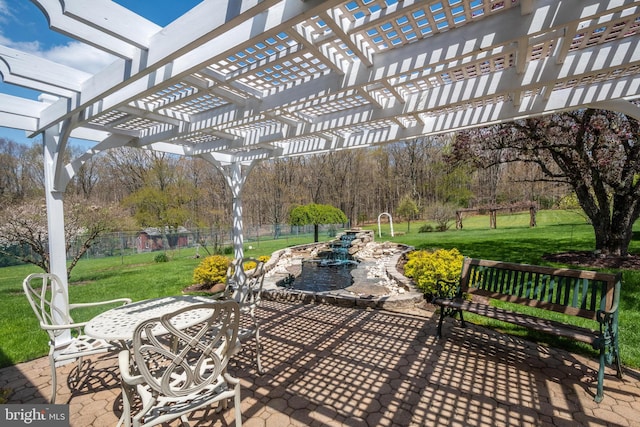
(139, 277)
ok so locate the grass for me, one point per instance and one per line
(139, 277)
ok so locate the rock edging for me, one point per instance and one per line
(284, 264)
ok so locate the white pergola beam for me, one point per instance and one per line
(110, 18)
(29, 70)
(73, 27)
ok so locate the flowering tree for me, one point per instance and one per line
(24, 234)
(596, 152)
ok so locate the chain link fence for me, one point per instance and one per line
(219, 240)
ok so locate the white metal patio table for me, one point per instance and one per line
(118, 324)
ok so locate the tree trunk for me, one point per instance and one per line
(613, 227)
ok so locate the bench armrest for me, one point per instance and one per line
(606, 315)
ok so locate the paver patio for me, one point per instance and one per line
(335, 366)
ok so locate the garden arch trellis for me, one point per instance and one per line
(237, 82)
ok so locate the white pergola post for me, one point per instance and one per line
(237, 183)
(53, 144)
(236, 175)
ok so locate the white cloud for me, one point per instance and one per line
(4, 9)
(73, 54)
(32, 47)
(80, 56)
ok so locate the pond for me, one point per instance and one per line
(316, 277)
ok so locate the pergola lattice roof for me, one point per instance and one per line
(237, 81)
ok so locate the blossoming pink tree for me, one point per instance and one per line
(596, 152)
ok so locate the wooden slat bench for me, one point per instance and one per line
(588, 294)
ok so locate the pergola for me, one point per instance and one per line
(237, 82)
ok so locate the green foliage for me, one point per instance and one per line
(427, 228)
(161, 257)
(408, 208)
(315, 214)
(212, 270)
(569, 202)
(426, 268)
(155, 207)
(454, 184)
(4, 395)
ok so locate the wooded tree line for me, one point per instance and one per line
(593, 155)
(193, 193)
(128, 189)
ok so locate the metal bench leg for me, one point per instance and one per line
(616, 359)
(464, 325)
(442, 315)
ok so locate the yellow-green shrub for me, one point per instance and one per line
(212, 270)
(249, 265)
(426, 267)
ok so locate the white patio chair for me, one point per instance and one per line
(67, 341)
(180, 371)
(245, 287)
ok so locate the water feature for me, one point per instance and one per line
(330, 270)
(339, 253)
(296, 274)
(318, 278)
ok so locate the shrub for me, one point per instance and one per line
(426, 267)
(161, 258)
(427, 228)
(212, 270)
(443, 215)
(249, 265)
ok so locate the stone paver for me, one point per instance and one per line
(339, 366)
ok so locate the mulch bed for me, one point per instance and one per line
(208, 289)
(589, 259)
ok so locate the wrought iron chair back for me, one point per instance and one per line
(183, 369)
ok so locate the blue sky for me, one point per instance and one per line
(24, 27)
